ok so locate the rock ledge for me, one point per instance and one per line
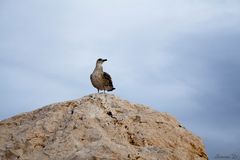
(97, 126)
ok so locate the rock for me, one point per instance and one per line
(97, 127)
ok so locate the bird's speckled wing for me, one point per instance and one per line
(107, 79)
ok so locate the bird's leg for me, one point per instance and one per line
(98, 90)
(104, 91)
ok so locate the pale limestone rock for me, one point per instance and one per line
(97, 127)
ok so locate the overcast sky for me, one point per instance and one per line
(177, 56)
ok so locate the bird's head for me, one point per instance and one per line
(100, 61)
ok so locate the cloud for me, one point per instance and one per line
(180, 57)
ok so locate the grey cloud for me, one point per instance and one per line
(178, 56)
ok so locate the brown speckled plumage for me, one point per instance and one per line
(101, 80)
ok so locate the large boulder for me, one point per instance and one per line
(97, 126)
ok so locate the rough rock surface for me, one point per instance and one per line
(97, 127)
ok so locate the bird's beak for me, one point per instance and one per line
(104, 60)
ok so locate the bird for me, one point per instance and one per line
(101, 80)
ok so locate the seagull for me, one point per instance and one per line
(101, 80)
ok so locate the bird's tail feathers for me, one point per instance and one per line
(111, 89)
